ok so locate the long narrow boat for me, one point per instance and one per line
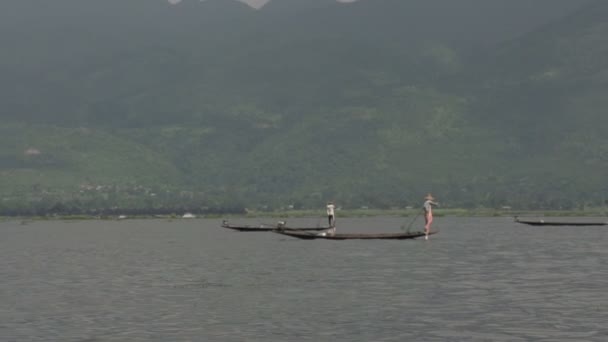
(268, 228)
(558, 223)
(381, 236)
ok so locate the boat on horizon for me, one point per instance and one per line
(542, 222)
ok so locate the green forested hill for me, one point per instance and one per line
(546, 91)
(141, 104)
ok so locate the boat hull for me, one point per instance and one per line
(270, 228)
(559, 223)
(385, 236)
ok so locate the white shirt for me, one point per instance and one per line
(428, 206)
(330, 210)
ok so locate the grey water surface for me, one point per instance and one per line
(479, 279)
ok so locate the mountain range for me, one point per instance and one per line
(144, 104)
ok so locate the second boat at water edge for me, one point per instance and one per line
(268, 228)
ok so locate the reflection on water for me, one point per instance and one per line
(480, 279)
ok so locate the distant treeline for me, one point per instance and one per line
(66, 210)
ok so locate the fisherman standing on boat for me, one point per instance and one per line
(332, 220)
(428, 214)
(330, 214)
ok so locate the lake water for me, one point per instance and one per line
(479, 279)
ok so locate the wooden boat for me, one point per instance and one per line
(268, 228)
(381, 236)
(558, 223)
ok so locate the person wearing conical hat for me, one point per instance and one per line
(428, 213)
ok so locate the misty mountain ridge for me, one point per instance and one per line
(306, 107)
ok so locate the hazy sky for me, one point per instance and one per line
(254, 3)
(260, 3)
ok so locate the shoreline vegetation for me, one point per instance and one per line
(344, 213)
